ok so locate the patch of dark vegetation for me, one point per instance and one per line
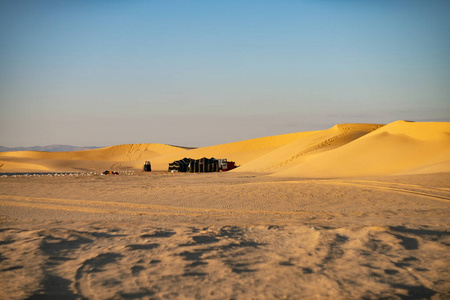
(390, 272)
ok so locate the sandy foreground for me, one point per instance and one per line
(225, 236)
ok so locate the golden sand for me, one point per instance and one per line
(345, 150)
(309, 215)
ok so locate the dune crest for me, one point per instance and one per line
(344, 150)
(241, 152)
(96, 159)
(309, 145)
(398, 148)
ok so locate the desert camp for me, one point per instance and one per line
(225, 150)
(304, 206)
(202, 165)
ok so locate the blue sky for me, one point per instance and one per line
(200, 73)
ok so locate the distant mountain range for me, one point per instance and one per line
(49, 148)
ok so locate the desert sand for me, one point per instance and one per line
(357, 211)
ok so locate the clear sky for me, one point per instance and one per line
(198, 73)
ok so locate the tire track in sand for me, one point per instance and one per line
(430, 193)
(108, 207)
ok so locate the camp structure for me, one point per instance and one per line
(202, 165)
(147, 166)
(181, 165)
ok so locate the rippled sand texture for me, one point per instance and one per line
(357, 211)
(224, 236)
(222, 262)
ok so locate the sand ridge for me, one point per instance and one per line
(345, 150)
(397, 148)
(305, 147)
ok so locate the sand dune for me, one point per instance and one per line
(114, 153)
(113, 157)
(241, 152)
(240, 234)
(397, 148)
(345, 150)
(307, 146)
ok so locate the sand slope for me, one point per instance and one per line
(97, 159)
(114, 153)
(308, 146)
(397, 148)
(345, 150)
(241, 152)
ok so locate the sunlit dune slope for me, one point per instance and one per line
(398, 148)
(307, 146)
(114, 153)
(25, 165)
(240, 152)
(134, 155)
(103, 158)
(345, 150)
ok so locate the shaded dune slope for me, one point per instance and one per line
(345, 150)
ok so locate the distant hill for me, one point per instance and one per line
(49, 148)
